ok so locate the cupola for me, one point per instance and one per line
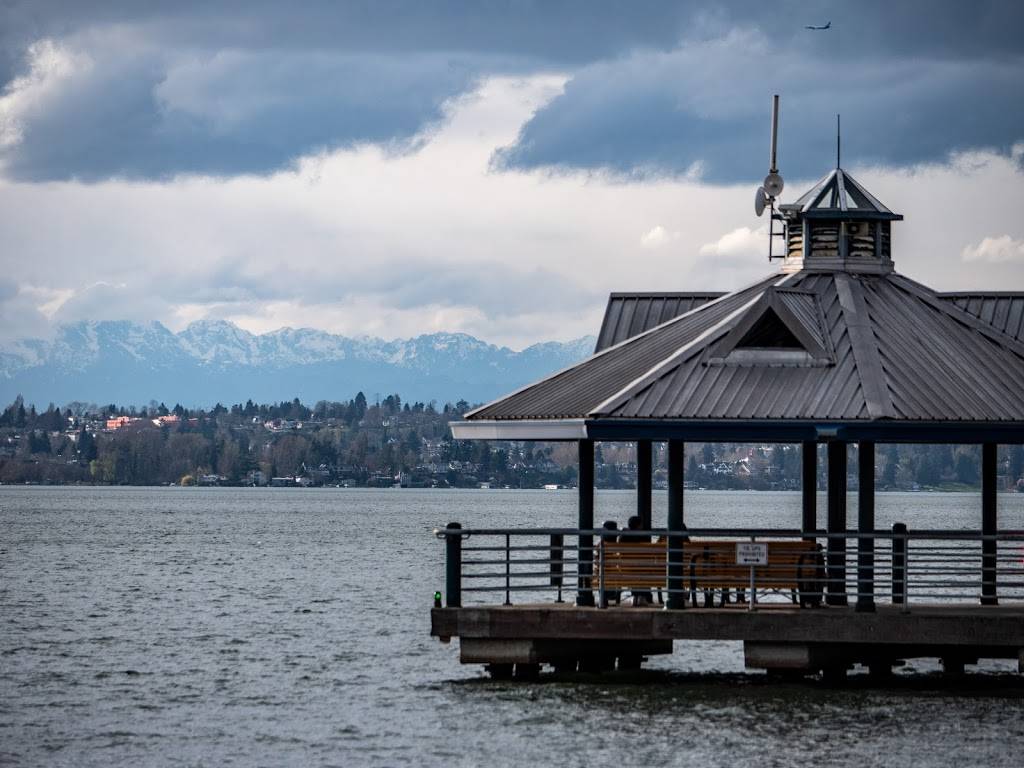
(838, 226)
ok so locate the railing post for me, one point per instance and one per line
(866, 524)
(752, 603)
(555, 558)
(676, 467)
(508, 570)
(989, 524)
(899, 563)
(453, 565)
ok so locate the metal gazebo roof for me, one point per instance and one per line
(826, 344)
(901, 352)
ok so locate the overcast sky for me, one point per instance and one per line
(397, 168)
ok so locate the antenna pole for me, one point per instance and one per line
(838, 140)
(775, 130)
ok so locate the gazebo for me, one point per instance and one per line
(836, 347)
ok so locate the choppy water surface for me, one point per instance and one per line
(290, 627)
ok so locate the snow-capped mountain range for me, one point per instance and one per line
(215, 361)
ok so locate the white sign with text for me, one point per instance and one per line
(751, 553)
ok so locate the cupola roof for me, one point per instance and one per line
(839, 196)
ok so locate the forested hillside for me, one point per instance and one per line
(391, 442)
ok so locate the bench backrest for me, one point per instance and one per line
(707, 564)
(632, 564)
(713, 564)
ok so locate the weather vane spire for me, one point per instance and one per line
(838, 140)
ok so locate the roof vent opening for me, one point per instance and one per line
(782, 328)
(769, 332)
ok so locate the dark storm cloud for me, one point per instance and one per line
(246, 87)
(228, 113)
(913, 82)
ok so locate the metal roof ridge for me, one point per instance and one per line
(471, 414)
(847, 178)
(867, 362)
(638, 383)
(810, 195)
(930, 297)
(665, 294)
(980, 294)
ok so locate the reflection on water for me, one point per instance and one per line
(290, 627)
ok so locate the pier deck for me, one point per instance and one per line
(774, 636)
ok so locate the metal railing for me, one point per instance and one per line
(899, 567)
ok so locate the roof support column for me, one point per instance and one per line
(643, 482)
(989, 524)
(809, 488)
(585, 555)
(676, 467)
(836, 551)
(866, 525)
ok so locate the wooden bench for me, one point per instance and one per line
(633, 566)
(796, 567)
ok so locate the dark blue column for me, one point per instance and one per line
(676, 467)
(644, 464)
(866, 524)
(836, 557)
(989, 524)
(809, 487)
(585, 595)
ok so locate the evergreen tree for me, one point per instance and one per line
(1016, 463)
(966, 468)
(86, 446)
(709, 453)
(20, 416)
(892, 465)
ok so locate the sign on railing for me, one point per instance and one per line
(751, 553)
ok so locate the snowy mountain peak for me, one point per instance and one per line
(215, 360)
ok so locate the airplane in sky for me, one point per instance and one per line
(811, 26)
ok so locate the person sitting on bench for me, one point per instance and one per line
(634, 532)
(610, 538)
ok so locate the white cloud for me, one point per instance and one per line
(50, 66)
(658, 236)
(740, 243)
(995, 249)
(20, 313)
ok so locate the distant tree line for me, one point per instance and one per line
(353, 442)
(389, 441)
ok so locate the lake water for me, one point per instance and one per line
(182, 626)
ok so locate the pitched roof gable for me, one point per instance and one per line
(784, 327)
